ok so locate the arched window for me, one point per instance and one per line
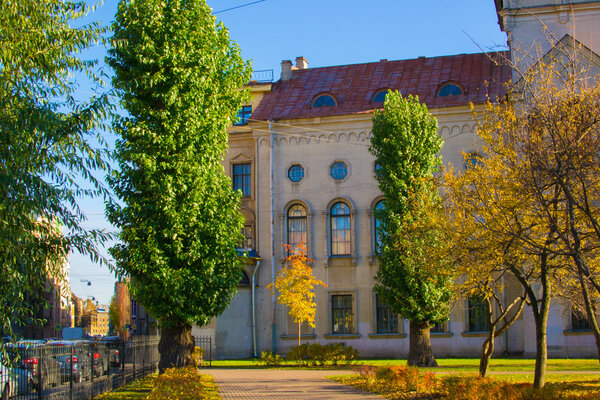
(379, 97)
(324, 100)
(340, 229)
(244, 281)
(377, 223)
(449, 89)
(296, 225)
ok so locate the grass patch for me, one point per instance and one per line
(467, 365)
(469, 386)
(175, 383)
(458, 365)
(136, 390)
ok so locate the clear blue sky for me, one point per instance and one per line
(326, 32)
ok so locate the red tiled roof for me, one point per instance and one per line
(353, 85)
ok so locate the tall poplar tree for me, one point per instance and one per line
(412, 277)
(179, 78)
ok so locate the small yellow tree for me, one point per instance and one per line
(295, 284)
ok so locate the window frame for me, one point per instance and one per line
(449, 84)
(335, 244)
(331, 170)
(297, 218)
(392, 326)
(376, 245)
(242, 177)
(323, 96)
(579, 321)
(377, 94)
(347, 328)
(289, 172)
(477, 314)
(243, 115)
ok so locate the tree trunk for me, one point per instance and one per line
(176, 347)
(486, 353)
(541, 357)
(541, 328)
(299, 333)
(420, 353)
(591, 312)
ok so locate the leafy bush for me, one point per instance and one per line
(184, 384)
(270, 359)
(404, 378)
(317, 354)
(198, 356)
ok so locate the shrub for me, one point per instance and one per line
(317, 354)
(270, 359)
(198, 356)
(183, 384)
(476, 388)
(403, 378)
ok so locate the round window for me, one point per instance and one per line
(339, 170)
(296, 173)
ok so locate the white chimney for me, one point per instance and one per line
(301, 63)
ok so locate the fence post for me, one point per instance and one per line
(123, 360)
(91, 352)
(39, 373)
(72, 354)
(133, 348)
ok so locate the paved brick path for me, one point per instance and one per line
(282, 384)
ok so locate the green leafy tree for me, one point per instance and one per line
(50, 148)
(179, 78)
(114, 315)
(296, 286)
(411, 277)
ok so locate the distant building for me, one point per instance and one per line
(52, 304)
(133, 318)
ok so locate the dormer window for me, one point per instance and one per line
(449, 89)
(379, 96)
(324, 100)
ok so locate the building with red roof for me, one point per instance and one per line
(299, 155)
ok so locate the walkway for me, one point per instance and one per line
(283, 384)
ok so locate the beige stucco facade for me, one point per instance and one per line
(272, 146)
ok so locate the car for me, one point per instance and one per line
(113, 343)
(70, 368)
(72, 355)
(14, 381)
(32, 357)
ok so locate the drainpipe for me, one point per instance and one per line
(254, 308)
(272, 187)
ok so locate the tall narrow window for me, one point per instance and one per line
(478, 315)
(387, 321)
(341, 313)
(340, 229)
(242, 178)
(377, 223)
(296, 225)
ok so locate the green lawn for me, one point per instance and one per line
(498, 364)
(466, 365)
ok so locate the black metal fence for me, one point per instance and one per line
(205, 343)
(74, 369)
